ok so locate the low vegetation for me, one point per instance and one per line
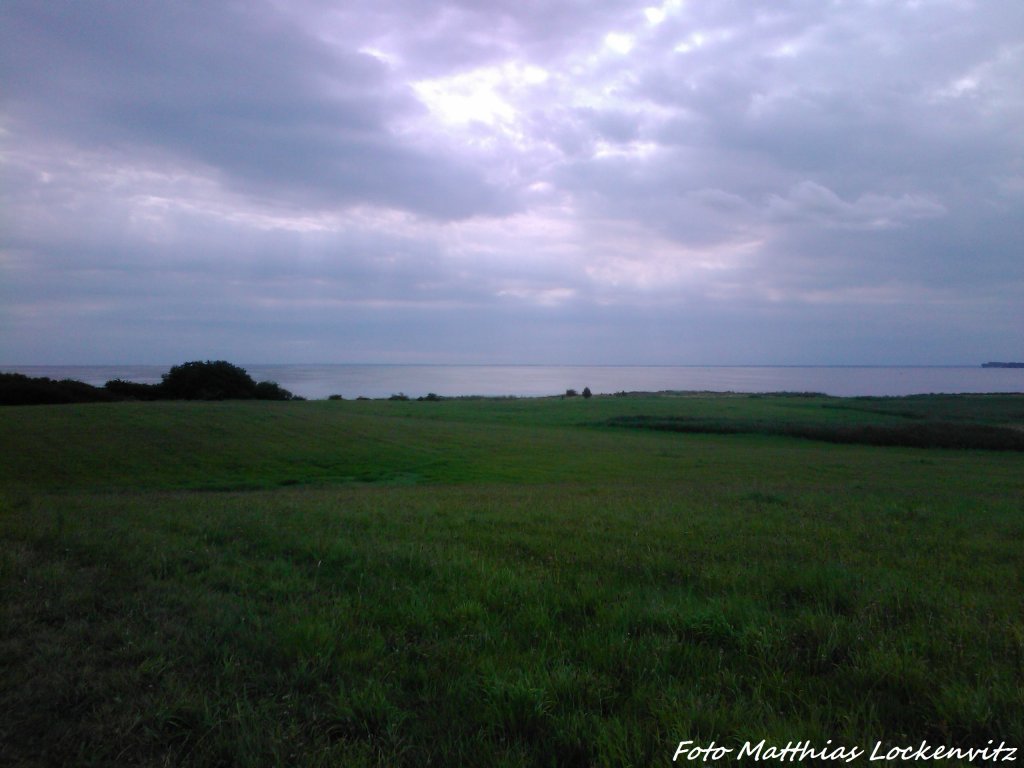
(19, 389)
(210, 380)
(916, 432)
(500, 582)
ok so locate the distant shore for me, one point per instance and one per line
(318, 382)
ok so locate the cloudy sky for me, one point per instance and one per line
(512, 181)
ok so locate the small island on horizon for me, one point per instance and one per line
(1002, 365)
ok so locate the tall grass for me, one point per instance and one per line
(915, 434)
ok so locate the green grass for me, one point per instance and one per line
(988, 422)
(502, 582)
(925, 434)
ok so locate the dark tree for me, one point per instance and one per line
(19, 389)
(217, 380)
(190, 381)
(212, 380)
(586, 392)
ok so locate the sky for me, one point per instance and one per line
(696, 182)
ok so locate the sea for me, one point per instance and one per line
(316, 382)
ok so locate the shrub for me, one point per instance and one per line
(190, 381)
(133, 390)
(19, 389)
(218, 380)
(586, 392)
(270, 390)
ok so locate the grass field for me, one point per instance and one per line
(539, 582)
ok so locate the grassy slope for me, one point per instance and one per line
(488, 582)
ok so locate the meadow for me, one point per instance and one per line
(507, 582)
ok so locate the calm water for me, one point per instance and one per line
(350, 381)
